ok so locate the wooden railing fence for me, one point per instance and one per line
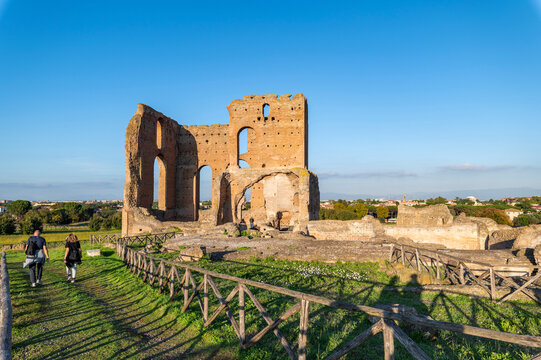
(136, 240)
(167, 275)
(454, 269)
(6, 317)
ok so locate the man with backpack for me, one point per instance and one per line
(36, 247)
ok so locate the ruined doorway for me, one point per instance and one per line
(203, 202)
(159, 184)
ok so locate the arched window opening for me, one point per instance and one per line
(243, 164)
(245, 139)
(159, 133)
(266, 108)
(204, 188)
(158, 198)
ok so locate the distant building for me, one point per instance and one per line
(512, 213)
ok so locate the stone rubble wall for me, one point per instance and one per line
(433, 215)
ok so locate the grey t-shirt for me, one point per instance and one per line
(38, 241)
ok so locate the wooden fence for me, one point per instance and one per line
(454, 269)
(166, 274)
(137, 240)
(6, 317)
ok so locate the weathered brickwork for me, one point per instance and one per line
(277, 146)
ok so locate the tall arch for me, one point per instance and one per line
(159, 182)
(203, 188)
(245, 142)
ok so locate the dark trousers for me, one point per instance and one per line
(32, 269)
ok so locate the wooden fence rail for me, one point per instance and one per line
(454, 269)
(6, 317)
(167, 275)
(137, 240)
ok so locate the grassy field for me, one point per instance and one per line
(110, 314)
(55, 235)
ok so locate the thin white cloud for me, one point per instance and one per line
(473, 168)
(368, 174)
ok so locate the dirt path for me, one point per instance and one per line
(104, 315)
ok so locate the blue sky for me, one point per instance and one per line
(415, 98)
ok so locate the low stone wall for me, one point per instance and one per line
(456, 236)
(6, 318)
(464, 236)
(344, 230)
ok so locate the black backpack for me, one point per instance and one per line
(31, 248)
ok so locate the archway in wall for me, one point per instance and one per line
(204, 191)
(159, 184)
(248, 193)
(245, 142)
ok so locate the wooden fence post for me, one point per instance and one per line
(205, 298)
(492, 285)
(461, 273)
(403, 259)
(391, 254)
(388, 340)
(303, 329)
(186, 286)
(242, 330)
(418, 260)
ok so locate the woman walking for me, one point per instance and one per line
(72, 256)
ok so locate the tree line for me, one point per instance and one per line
(492, 209)
(22, 215)
(345, 210)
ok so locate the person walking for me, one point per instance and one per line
(72, 256)
(38, 247)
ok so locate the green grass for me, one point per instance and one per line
(110, 314)
(82, 232)
(364, 283)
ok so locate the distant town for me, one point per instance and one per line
(516, 211)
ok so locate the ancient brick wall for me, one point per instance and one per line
(277, 139)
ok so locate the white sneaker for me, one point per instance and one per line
(38, 282)
(69, 278)
(33, 285)
(72, 281)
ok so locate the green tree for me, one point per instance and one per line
(436, 201)
(7, 224)
(460, 201)
(525, 205)
(382, 212)
(95, 223)
(339, 206)
(74, 211)
(345, 215)
(30, 224)
(86, 212)
(60, 217)
(19, 208)
(116, 221)
(495, 214)
(361, 210)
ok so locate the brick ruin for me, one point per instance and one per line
(281, 186)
